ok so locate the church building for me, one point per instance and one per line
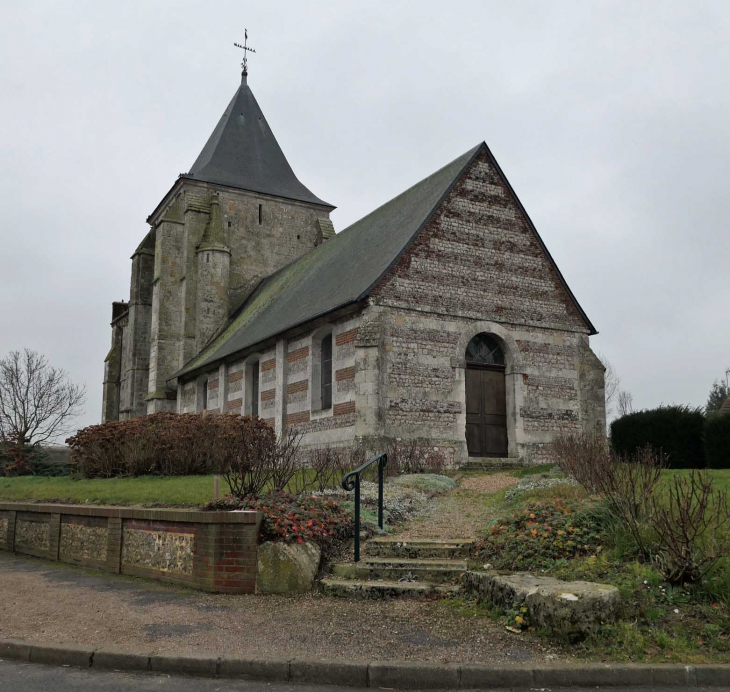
(440, 316)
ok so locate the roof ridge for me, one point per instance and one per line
(470, 153)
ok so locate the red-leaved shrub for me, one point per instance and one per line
(165, 444)
(298, 518)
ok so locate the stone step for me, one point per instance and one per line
(420, 548)
(349, 588)
(492, 464)
(393, 569)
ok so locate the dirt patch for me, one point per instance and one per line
(463, 512)
(130, 613)
(488, 483)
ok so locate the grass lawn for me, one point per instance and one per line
(145, 491)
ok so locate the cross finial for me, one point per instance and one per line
(246, 50)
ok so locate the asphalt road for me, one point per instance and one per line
(27, 677)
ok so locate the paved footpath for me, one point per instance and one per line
(27, 677)
(49, 602)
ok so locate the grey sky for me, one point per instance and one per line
(610, 119)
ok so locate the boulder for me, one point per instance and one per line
(287, 567)
(570, 609)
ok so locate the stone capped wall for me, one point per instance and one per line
(84, 539)
(4, 526)
(165, 548)
(210, 551)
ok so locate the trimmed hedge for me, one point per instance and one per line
(677, 431)
(717, 441)
(168, 444)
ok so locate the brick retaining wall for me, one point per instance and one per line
(210, 551)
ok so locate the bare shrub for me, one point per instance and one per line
(327, 465)
(585, 457)
(682, 525)
(286, 464)
(411, 456)
(252, 459)
(691, 520)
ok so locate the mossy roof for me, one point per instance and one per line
(340, 271)
(346, 268)
(242, 152)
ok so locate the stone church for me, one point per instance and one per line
(439, 316)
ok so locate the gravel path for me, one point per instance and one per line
(44, 601)
(460, 513)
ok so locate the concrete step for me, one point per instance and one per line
(418, 549)
(349, 588)
(393, 569)
(492, 464)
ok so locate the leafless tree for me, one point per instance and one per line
(38, 402)
(625, 403)
(612, 383)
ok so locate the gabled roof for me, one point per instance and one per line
(242, 152)
(344, 269)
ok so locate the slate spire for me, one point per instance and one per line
(242, 152)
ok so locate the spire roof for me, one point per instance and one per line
(242, 152)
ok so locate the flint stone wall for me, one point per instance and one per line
(209, 551)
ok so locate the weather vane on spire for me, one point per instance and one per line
(246, 50)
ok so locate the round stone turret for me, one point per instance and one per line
(213, 258)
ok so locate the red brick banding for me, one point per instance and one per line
(298, 418)
(345, 374)
(235, 376)
(269, 421)
(235, 403)
(268, 395)
(295, 387)
(346, 337)
(213, 384)
(343, 408)
(298, 354)
(268, 365)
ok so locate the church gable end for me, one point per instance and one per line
(479, 257)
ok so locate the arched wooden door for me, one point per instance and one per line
(486, 398)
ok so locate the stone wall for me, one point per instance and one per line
(477, 266)
(399, 369)
(263, 233)
(288, 378)
(210, 551)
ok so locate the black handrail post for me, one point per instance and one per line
(357, 518)
(351, 481)
(380, 491)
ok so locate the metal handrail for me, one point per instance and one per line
(351, 481)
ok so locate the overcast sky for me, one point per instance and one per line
(610, 119)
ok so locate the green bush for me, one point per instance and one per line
(717, 441)
(538, 534)
(677, 431)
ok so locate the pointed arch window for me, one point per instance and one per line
(484, 350)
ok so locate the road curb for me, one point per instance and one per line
(393, 674)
